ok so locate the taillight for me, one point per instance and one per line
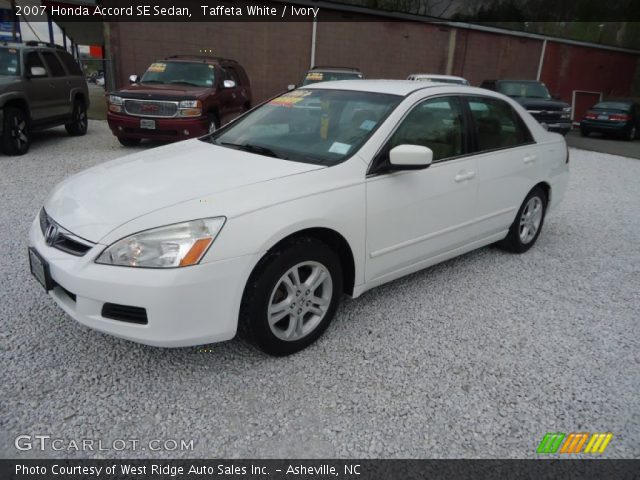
(619, 117)
(591, 116)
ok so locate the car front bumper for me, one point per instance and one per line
(166, 129)
(558, 127)
(184, 306)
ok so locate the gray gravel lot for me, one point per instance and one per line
(476, 357)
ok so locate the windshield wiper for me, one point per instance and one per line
(248, 147)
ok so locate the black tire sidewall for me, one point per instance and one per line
(73, 127)
(514, 232)
(8, 146)
(257, 296)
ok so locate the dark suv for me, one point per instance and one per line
(326, 74)
(554, 115)
(41, 86)
(178, 98)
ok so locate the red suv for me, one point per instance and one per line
(179, 98)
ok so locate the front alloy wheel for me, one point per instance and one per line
(300, 301)
(291, 296)
(15, 134)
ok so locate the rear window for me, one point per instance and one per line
(624, 106)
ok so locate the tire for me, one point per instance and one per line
(16, 139)
(214, 122)
(79, 123)
(129, 142)
(521, 236)
(630, 134)
(273, 283)
(584, 132)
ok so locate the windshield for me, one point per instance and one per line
(322, 127)
(9, 64)
(180, 73)
(524, 89)
(315, 77)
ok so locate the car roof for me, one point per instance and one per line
(392, 87)
(197, 58)
(435, 75)
(519, 80)
(320, 68)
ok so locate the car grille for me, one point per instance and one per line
(546, 115)
(150, 108)
(60, 238)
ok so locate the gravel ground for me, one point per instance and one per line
(476, 357)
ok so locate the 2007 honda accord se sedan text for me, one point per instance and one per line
(263, 225)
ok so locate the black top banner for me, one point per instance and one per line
(336, 11)
(317, 469)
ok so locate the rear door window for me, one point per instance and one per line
(55, 67)
(72, 67)
(497, 124)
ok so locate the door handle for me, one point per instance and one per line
(463, 176)
(529, 159)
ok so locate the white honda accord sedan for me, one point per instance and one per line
(263, 225)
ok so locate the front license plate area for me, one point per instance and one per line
(148, 124)
(40, 269)
(603, 117)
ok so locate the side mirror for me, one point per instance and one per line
(410, 157)
(229, 84)
(37, 72)
(291, 86)
(134, 79)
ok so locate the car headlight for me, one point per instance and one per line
(190, 108)
(115, 103)
(177, 245)
(115, 100)
(566, 109)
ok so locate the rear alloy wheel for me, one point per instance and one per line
(528, 223)
(631, 133)
(15, 132)
(291, 297)
(128, 141)
(79, 123)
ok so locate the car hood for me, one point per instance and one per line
(540, 104)
(157, 91)
(6, 80)
(92, 203)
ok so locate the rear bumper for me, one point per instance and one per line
(167, 129)
(596, 126)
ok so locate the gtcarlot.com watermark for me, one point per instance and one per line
(43, 442)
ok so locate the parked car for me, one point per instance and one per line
(553, 114)
(41, 86)
(327, 74)
(264, 224)
(616, 117)
(429, 77)
(178, 98)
